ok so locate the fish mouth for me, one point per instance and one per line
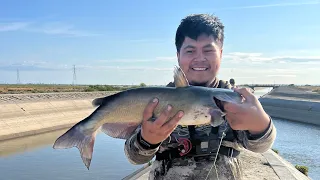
(219, 104)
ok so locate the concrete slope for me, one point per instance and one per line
(292, 104)
(23, 115)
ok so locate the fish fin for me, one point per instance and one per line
(97, 101)
(74, 137)
(225, 97)
(216, 117)
(119, 130)
(180, 79)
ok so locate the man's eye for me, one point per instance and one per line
(189, 51)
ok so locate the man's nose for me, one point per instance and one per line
(200, 57)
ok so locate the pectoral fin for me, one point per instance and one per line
(228, 97)
(217, 117)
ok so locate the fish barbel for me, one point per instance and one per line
(119, 115)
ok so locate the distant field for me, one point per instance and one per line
(52, 88)
(48, 88)
(310, 88)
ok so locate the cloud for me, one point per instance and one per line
(51, 28)
(149, 40)
(241, 57)
(169, 58)
(32, 66)
(48, 66)
(272, 5)
(281, 75)
(13, 26)
(134, 68)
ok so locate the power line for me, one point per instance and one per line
(18, 77)
(74, 75)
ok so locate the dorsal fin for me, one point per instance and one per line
(180, 79)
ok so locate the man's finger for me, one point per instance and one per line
(173, 122)
(163, 116)
(234, 107)
(234, 121)
(148, 111)
(247, 93)
(170, 130)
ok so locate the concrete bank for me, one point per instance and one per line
(292, 104)
(256, 166)
(30, 114)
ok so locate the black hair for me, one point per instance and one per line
(195, 25)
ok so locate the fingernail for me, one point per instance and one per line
(169, 108)
(155, 100)
(180, 114)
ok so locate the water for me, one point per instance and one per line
(298, 143)
(33, 157)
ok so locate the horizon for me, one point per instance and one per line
(274, 42)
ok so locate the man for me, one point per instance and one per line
(188, 152)
(233, 83)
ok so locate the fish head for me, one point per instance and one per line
(215, 99)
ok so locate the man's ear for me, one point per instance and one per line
(221, 51)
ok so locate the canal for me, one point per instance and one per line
(32, 157)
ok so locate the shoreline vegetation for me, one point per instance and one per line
(57, 88)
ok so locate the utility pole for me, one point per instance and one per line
(74, 75)
(18, 77)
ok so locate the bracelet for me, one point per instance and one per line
(144, 144)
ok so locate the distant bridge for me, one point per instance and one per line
(252, 86)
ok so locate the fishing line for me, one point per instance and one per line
(215, 159)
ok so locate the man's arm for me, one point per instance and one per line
(135, 152)
(258, 143)
(145, 142)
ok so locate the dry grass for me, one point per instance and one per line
(48, 88)
(310, 88)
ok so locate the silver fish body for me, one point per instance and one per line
(118, 115)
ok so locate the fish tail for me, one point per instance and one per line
(75, 137)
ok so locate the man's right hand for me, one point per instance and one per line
(157, 131)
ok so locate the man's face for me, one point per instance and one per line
(200, 59)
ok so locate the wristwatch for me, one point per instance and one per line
(144, 144)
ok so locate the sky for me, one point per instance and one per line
(129, 42)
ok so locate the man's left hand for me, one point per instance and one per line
(249, 115)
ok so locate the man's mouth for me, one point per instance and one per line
(199, 68)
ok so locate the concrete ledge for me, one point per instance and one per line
(294, 110)
(141, 174)
(282, 168)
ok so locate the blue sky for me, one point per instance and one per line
(128, 42)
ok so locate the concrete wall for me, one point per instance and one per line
(295, 110)
(17, 120)
(23, 115)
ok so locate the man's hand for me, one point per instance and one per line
(249, 115)
(157, 131)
